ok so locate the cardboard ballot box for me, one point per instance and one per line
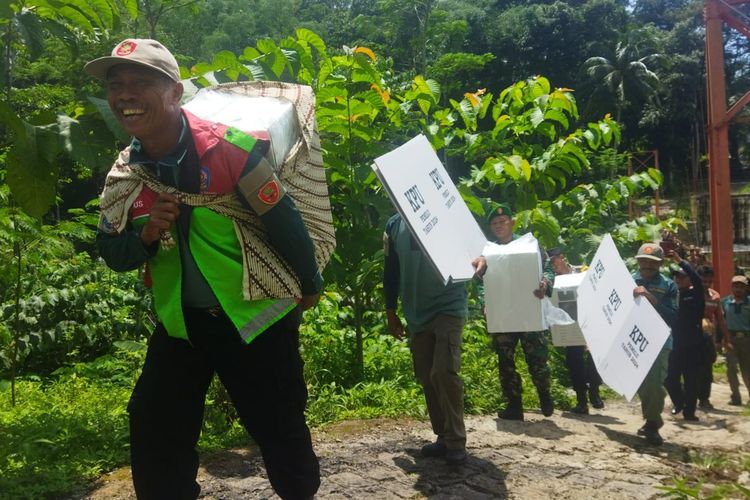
(565, 296)
(273, 115)
(513, 273)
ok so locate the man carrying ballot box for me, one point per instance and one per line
(181, 199)
(661, 292)
(534, 344)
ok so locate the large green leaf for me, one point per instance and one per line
(104, 12)
(74, 16)
(9, 118)
(109, 119)
(313, 39)
(32, 180)
(30, 28)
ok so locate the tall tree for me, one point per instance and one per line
(627, 78)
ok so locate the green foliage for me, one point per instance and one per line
(32, 159)
(76, 313)
(61, 435)
(524, 144)
(65, 306)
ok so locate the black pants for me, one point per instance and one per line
(582, 370)
(265, 382)
(706, 368)
(682, 376)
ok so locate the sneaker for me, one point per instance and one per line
(580, 409)
(511, 412)
(455, 457)
(596, 400)
(436, 449)
(546, 404)
(642, 430)
(706, 404)
(691, 417)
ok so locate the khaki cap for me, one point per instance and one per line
(141, 51)
(739, 279)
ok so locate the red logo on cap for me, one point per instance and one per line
(648, 250)
(270, 193)
(125, 48)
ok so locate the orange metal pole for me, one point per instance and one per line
(718, 151)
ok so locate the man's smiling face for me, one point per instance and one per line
(143, 100)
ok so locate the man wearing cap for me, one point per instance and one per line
(661, 292)
(213, 316)
(685, 358)
(583, 373)
(435, 315)
(534, 344)
(737, 313)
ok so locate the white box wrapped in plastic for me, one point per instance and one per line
(273, 115)
(565, 296)
(513, 273)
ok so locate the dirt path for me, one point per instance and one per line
(565, 456)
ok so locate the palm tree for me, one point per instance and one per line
(628, 76)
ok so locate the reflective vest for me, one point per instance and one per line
(212, 241)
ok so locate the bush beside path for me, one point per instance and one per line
(565, 456)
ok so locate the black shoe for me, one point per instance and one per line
(642, 430)
(546, 404)
(706, 404)
(654, 438)
(735, 401)
(676, 410)
(580, 409)
(651, 433)
(596, 400)
(436, 449)
(511, 412)
(690, 417)
(455, 457)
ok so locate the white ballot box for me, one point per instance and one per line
(565, 296)
(513, 273)
(274, 115)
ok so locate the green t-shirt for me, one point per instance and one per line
(409, 274)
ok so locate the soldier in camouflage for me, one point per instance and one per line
(534, 344)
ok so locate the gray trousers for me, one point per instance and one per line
(436, 352)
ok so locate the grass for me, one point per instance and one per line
(715, 477)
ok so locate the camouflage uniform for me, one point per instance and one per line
(535, 348)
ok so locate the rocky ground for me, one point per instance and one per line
(565, 456)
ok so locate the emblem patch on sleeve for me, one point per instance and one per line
(270, 192)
